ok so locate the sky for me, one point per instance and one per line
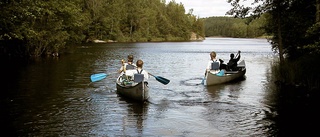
(206, 8)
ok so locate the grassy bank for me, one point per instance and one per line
(301, 72)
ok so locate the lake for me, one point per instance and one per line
(54, 96)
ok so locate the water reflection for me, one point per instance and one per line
(133, 122)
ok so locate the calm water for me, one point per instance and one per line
(54, 97)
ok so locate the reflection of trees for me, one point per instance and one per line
(289, 105)
(133, 122)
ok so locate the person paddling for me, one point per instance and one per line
(213, 59)
(232, 64)
(127, 65)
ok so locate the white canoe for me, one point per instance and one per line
(213, 79)
(134, 91)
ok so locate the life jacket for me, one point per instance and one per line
(138, 77)
(215, 65)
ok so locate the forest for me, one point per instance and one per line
(37, 28)
(235, 27)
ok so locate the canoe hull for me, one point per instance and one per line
(137, 91)
(213, 79)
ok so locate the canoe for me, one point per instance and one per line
(134, 91)
(213, 79)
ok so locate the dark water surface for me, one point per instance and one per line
(54, 97)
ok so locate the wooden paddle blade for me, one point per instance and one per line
(97, 77)
(162, 80)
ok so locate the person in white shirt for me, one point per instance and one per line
(138, 70)
(213, 58)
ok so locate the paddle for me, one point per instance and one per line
(237, 54)
(203, 79)
(99, 76)
(161, 79)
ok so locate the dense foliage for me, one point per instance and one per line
(36, 27)
(295, 27)
(234, 27)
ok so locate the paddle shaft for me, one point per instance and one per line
(151, 74)
(160, 79)
(238, 53)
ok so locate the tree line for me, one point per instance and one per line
(36, 28)
(234, 27)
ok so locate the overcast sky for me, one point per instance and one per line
(206, 8)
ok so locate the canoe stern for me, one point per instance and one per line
(134, 91)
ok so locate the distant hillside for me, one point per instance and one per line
(234, 27)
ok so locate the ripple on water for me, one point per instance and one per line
(236, 118)
(181, 121)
